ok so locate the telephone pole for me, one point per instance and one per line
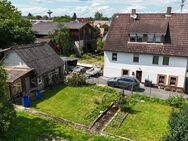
(182, 5)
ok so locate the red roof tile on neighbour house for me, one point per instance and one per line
(123, 24)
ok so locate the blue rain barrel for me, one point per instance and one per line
(38, 94)
(25, 101)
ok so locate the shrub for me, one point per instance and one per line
(76, 79)
(125, 104)
(178, 125)
(176, 101)
(7, 112)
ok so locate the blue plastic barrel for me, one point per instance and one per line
(38, 94)
(25, 101)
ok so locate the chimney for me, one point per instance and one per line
(169, 11)
(133, 12)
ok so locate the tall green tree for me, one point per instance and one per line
(74, 17)
(178, 125)
(100, 45)
(30, 16)
(61, 38)
(7, 112)
(99, 16)
(13, 27)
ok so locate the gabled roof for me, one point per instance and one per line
(144, 27)
(123, 24)
(40, 57)
(43, 28)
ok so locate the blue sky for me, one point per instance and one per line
(87, 8)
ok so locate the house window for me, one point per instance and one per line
(158, 39)
(139, 37)
(133, 38)
(173, 81)
(114, 56)
(125, 72)
(150, 38)
(155, 60)
(18, 86)
(136, 58)
(39, 80)
(165, 60)
(161, 79)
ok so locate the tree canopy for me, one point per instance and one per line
(99, 16)
(61, 38)
(7, 112)
(13, 27)
(65, 18)
(74, 17)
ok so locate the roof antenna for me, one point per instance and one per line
(49, 13)
(182, 5)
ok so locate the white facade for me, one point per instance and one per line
(177, 67)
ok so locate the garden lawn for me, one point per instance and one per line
(147, 122)
(78, 104)
(31, 128)
(92, 59)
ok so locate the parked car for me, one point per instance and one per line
(124, 82)
(93, 71)
(79, 69)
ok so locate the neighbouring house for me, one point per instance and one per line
(150, 46)
(83, 20)
(32, 67)
(82, 34)
(100, 24)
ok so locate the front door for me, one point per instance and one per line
(139, 75)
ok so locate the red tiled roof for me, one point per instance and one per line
(123, 24)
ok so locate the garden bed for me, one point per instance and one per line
(146, 121)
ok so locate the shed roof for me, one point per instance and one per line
(44, 28)
(15, 73)
(41, 57)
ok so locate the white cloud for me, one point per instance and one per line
(85, 8)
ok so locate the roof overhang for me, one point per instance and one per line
(14, 74)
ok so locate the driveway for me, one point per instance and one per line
(147, 91)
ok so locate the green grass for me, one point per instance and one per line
(78, 104)
(92, 59)
(147, 121)
(31, 128)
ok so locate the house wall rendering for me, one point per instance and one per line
(177, 67)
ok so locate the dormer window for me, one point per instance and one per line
(139, 37)
(150, 38)
(133, 38)
(158, 38)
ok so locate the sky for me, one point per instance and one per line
(87, 8)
